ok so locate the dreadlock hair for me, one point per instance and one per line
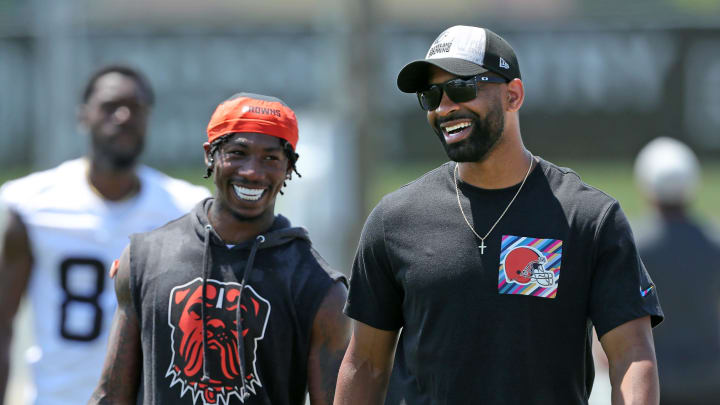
(287, 149)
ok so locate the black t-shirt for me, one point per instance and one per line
(510, 326)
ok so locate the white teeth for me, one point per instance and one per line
(456, 127)
(251, 194)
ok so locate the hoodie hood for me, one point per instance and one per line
(279, 233)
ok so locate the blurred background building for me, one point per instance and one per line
(602, 79)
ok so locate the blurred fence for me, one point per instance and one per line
(590, 93)
(594, 93)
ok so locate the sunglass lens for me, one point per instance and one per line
(461, 91)
(430, 99)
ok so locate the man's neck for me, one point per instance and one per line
(233, 230)
(110, 184)
(672, 212)
(504, 167)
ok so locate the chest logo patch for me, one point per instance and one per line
(223, 368)
(529, 266)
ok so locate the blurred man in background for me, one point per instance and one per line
(67, 226)
(230, 303)
(495, 265)
(4, 214)
(685, 263)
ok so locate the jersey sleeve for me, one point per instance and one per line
(621, 288)
(11, 194)
(374, 297)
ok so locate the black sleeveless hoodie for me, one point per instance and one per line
(186, 283)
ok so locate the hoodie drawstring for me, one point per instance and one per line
(205, 276)
(238, 314)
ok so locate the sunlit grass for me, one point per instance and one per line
(614, 178)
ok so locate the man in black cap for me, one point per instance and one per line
(495, 265)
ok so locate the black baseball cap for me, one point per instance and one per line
(463, 51)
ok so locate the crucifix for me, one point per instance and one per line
(472, 228)
(482, 247)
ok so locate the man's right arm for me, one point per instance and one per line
(15, 267)
(121, 372)
(365, 370)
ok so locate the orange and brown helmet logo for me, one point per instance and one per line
(223, 363)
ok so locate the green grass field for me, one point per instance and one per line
(615, 178)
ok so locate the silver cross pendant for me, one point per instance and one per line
(482, 247)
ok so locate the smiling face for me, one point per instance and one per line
(249, 170)
(469, 131)
(116, 116)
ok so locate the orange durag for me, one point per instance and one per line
(246, 113)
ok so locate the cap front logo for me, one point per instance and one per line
(529, 266)
(504, 64)
(439, 47)
(261, 110)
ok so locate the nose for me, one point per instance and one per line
(252, 169)
(446, 106)
(121, 115)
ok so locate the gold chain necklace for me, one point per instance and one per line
(457, 192)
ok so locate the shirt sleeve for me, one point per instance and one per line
(375, 297)
(621, 288)
(9, 195)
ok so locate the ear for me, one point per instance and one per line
(515, 95)
(288, 172)
(206, 147)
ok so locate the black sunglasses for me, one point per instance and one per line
(458, 90)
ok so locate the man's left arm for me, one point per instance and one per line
(631, 359)
(329, 339)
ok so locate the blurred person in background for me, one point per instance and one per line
(4, 215)
(684, 261)
(229, 304)
(67, 226)
(495, 265)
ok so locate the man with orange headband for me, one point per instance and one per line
(229, 304)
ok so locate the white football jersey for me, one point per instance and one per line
(75, 235)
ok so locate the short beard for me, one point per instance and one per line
(105, 155)
(119, 163)
(485, 135)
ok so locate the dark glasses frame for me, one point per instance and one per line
(459, 90)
